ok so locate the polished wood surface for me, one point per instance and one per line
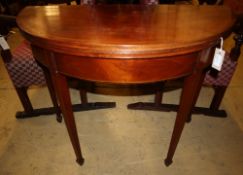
(125, 31)
(126, 44)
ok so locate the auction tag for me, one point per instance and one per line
(218, 58)
(4, 43)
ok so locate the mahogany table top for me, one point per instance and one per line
(125, 31)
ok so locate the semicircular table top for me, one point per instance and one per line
(125, 31)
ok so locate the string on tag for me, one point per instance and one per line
(221, 43)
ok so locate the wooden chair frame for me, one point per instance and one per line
(29, 111)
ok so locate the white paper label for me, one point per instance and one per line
(4, 43)
(218, 59)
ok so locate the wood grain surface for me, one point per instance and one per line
(125, 31)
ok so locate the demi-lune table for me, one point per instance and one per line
(126, 44)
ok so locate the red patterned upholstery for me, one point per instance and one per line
(23, 69)
(150, 2)
(90, 2)
(224, 76)
(147, 2)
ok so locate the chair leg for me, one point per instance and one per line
(217, 98)
(158, 105)
(83, 96)
(236, 50)
(159, 95)
(158, 98)
(24, 98)
(29, 111)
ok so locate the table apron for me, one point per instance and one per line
(125, 71)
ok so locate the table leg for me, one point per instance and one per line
(61, 87)
(192, 85)
(52, 93)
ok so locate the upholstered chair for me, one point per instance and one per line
(25, 72)
(218, 80)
